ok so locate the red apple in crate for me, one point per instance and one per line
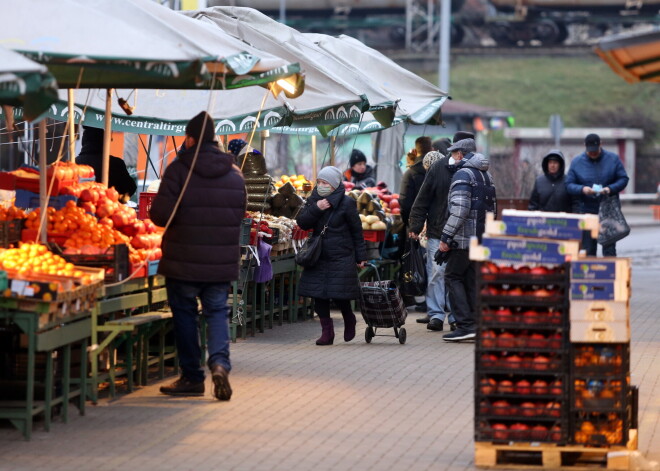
(106, 222)
(539, 432)
(523, 387)
(537, 340)
(489, 360)
(555, 433)
(531, 317)
(541, 363)
(539, 271)
(500, 431)
(540, 387)
(506, 340)
(553, 409)
(523, 270)
(89, 207)
(501, 408)
(513, 361)
(528, 409)
(555, 340)
(556, 387)
(490, 290)
(489, 267)
(519, 431)
(487, 385)
(503, 314)
(507, 269)
(488, 338)
(543, 293)
(505, 387)
(515, 291)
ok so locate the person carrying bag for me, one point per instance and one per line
(340, 246)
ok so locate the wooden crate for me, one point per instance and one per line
(554, 457)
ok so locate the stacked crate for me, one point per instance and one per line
(522, 352)
(601, 397)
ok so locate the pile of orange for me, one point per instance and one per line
(36, 259)
(11, 213)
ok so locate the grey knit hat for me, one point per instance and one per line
(332, 175)
(464, 145)
(430, 158)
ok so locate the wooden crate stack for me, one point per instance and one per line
(543, 312)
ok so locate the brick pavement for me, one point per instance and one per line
(296, 406)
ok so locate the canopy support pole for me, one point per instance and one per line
(333, 141)
(43, 171)
(265, 134)
(314, 163)
(107, 135)
(72, 132)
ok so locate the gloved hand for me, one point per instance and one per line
(442, 257)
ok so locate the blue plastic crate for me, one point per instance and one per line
(27, 199)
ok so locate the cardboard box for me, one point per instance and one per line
(518, 250)
(542, 225)
(616, 290)
(607, 268)
(605, 332)
(599, 311)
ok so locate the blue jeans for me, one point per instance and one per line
(182, 297)
(436, 294)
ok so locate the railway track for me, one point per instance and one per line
(517, 51)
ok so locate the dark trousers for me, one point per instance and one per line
(461, 281)
(322, 307)
(590, 245)
(182, 296)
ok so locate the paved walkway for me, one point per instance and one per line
(296, 406)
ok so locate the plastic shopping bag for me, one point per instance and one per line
(412, 278)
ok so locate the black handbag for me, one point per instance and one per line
(413, 270)
(308, 255)
(613, 224)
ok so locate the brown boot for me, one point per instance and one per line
(221, 388)
(327, 332)
(183, 387)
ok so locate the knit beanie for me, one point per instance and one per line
(357, 156)
(332, 175)
(430, 158)
(195, 125)
(460, 135)
(235, 145)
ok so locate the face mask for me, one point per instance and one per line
(324, 190)
(452, 161)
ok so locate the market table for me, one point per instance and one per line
(46, 333)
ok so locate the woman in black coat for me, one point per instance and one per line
(334, 277)
(549, 193)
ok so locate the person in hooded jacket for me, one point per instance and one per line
(549, 192)
(359, 173)
(334, 277)
(201, 252)
(91, 154)
(471, 195)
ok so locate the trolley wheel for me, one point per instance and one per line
(402, 335)
(368, 334)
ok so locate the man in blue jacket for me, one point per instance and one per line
(595, 174)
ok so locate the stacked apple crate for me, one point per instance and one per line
(543, 373)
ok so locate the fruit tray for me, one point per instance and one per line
(10, 232)
(527, 362)
(522, 431)
(519, 386)
(520, 341)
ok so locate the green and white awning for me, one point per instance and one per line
(25, 83)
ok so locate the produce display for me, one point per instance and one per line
(371, 212)
(60, 176)
(286, 202)
(35, 259)
(299, 182)
(12, 212)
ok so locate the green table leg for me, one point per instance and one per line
(83, 377)
(66, 382)
(48, 396)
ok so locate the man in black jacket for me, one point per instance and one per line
(431, 207)
(549, 192)
(201, 252)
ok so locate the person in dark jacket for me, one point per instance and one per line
(471, 195)
(430, 207)
(201, 252)
(359, 173)
(413, 178)
(91, 154)
(549, 192)
(594, 174)
(334, 278)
